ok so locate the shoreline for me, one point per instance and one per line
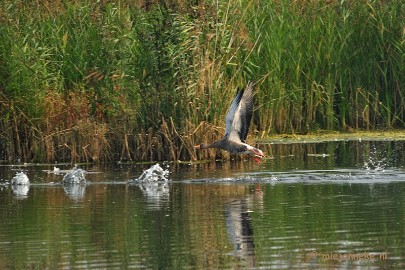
(329, 136)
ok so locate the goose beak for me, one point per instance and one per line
(197, 146)
(257, 155)
(257, 159)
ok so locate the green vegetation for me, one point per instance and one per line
(94, 81)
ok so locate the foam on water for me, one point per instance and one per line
(337, 176)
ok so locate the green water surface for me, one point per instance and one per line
(308, 206)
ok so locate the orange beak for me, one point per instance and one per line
(259, 154)
(197, 147)
(257, 159)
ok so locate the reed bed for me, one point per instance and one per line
(335, 65)
(87, 81)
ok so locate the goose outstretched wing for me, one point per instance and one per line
(239, 115)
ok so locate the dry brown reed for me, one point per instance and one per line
(146, 80)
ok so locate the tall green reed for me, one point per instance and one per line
(331, 66)
(101, 81)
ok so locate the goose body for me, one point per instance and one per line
(237, 127)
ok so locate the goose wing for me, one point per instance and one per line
(239, 115)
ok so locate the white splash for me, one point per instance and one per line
(20, 184)
(153, 174)
(75, 176)
(374, 163)
(154, 183)
(20, 179)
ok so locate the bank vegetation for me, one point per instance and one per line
(95, 81)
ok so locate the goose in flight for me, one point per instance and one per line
(237, 127)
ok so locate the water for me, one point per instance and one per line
(337, 205)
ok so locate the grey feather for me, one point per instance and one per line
(239, 115)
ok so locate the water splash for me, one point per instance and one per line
(20, 179)
(20, 184)
(153, 174)
(273, 178)
(374, 162)
(75, 176)
(154, 183)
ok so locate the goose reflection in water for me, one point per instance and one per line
(240, 229)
